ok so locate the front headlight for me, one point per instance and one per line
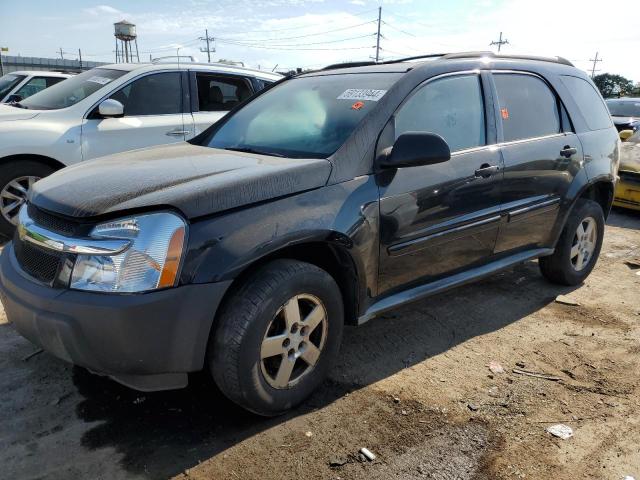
(150, 262)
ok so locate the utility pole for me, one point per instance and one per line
(207, 39)
(378, 35)
(595, 63)
(500, 42)
(2, 49)
(80, 58)
(61, 54)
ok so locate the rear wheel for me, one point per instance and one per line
(16, 179)
(277, 336)
(578, 247)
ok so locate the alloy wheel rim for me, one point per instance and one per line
(293, 341)
(14, 195)
(584, 244)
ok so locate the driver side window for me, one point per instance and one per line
(156, 94)
(452, 107)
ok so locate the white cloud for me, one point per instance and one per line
(102, 9)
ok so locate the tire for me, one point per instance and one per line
(19, 171)
(254, 337)
(565, 268)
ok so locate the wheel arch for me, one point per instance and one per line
(332, 257)
(601, 192)
(49, 161)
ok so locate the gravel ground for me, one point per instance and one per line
(413, 387)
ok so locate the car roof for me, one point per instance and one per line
(213, 67)
(410, 63)
(41, 73)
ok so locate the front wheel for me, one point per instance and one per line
(578, 247)
(16, 179)
(277, 336)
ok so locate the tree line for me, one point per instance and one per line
(612, 86)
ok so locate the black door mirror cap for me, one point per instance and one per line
(413, 149)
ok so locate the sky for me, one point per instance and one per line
(285, 34)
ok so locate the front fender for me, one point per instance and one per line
(344, 215)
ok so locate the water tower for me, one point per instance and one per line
(125, 33)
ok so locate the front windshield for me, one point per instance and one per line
(7, 82)
(307, 117)
(72, 90)
(620, 108)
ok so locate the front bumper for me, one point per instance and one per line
(148, 341)
(627, 194)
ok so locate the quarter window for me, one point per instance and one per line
(528, 108)
(220, 93)
(452, 107)
(589, 102)
(157, 94)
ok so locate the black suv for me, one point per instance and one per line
(327, 199)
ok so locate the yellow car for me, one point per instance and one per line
(627, 192)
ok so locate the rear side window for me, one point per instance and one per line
(589, 102)
(528, 108)
(220, 93)
(452, 107)
(156, 94)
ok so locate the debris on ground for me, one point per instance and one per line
(338, 461)
(561, 431)
(520, 364)
(139, 400)
(31, 355)
(495, 367)
(367, 454)
(472, 406)
(308, 434)
(569, 373)
(633, 264)
(544, 376)
(564, 300)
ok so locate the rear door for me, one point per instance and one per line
(437, 219)
(213, 95)
(541, 156)
(153, 115)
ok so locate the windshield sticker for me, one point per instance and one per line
(100, 80)
(357, 106)
(362, 94)
(505, 113)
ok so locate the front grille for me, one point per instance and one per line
(52, 222)
(41, 264)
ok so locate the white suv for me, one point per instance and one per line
(18, 85)
(111, 109)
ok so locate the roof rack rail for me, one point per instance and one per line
(349, 64)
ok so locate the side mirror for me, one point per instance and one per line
(413, 149)
(626, 134)
(111, 108)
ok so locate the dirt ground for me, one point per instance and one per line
(413, 387)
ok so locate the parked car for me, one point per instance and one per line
(625, 113)
(111, 109)
(329, 198)
(627, 193)
(17, 86)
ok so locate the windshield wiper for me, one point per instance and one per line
(19, 105)
(253, 150)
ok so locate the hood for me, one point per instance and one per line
(196, 180)
(14, 113)
(624, 120)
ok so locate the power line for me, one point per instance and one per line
(258, 40)
(265, 47)
(248, 44)
(398, 29)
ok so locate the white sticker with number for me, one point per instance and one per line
(362, 94)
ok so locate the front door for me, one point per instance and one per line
(541, 157)
(215, 94)
(437, 219)
(153, 106)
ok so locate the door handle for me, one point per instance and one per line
(567, 151)
(176, 133)
(487, 170)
